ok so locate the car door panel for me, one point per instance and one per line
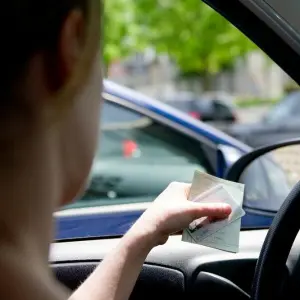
(172, 271)
(94, 223)
(176, 270)
(154, 282)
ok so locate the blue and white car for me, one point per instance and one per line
(144, 145)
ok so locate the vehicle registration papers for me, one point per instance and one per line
(215, 233)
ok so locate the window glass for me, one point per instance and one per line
(185, 106)
(112, 114)
(284, 109)
(137, 158)
(221, 108)
(202, 105)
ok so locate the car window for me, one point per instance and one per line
(137, 158)
(112, 114)
(204, 106)
(221, 108)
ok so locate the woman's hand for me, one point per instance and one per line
(172, 212)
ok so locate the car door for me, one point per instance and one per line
(176, 269)
(170, 267)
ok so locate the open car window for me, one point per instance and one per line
(137, 158)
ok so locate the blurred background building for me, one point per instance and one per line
(157, 75)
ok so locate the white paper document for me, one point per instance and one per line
(220, 234)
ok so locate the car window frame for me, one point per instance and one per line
(176, 132)
(159, 118)
(207, 144)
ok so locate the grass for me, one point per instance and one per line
(255, 102)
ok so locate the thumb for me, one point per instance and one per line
(219, 210)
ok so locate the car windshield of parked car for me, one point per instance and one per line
(182, 105)
(287, 108)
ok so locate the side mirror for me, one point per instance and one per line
(269, 173)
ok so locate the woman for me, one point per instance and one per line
(50, 108)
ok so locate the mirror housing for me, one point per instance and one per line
(236, 170)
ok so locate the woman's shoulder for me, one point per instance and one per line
(27, 280)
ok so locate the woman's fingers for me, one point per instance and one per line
(217, 210)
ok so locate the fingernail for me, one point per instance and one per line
(227, 208)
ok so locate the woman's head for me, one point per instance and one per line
(51, 83)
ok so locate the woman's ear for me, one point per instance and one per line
(70, 47)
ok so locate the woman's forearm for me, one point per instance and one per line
(115, 277)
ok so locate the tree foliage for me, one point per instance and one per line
(197, 38)
(121, 32)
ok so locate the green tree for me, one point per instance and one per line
(196, 37)
(121, 32)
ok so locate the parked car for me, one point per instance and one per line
(209, 108)
(146, 144)
(281, 122)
